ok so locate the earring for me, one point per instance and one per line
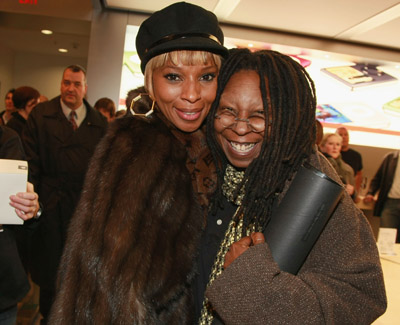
(138, 97)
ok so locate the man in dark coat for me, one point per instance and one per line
(387, 182)
(59, 139)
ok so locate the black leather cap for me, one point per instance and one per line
(180, 26)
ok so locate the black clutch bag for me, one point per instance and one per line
(301, 216)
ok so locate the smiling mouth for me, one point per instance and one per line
(242, 147)
(189, 116)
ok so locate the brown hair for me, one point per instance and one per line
(327, 136)
(23, 95)
(107, 104)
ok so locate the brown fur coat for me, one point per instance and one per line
(131, 243)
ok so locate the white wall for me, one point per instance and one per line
(6, 73)
(105, 58)
(43, 72)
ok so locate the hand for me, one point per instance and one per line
(242, 245)
(350, 189)
(368, 198)
(26, 204)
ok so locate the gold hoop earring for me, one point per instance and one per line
(138, 97)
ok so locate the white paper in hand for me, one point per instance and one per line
(13, 178)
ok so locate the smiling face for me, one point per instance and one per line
(242, 96)
(332, 146)
(184, 93)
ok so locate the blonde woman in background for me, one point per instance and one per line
(330, 146)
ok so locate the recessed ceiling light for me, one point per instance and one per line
(47, 31)
(63, 50)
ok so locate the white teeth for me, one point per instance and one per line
(242, 147)
(188, 113)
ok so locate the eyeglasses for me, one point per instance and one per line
(229, 119)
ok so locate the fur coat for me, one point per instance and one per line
(132, 241)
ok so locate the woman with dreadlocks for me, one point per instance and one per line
(261, 129)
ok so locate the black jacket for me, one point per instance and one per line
(58, 158)
(383, 180)
(13, 280)
(17, 123)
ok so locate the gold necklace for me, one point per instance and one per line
(232, 179)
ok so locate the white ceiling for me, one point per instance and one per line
(367, 21)
(70, 20)
(371, 22)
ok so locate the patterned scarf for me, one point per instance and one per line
(199, 162)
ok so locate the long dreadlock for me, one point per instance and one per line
(289, 102)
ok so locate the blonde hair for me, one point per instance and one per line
(175, 57)
(327, 136)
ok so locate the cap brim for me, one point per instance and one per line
(189, 43)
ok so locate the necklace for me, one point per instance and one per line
(232, 234)
(232, 180)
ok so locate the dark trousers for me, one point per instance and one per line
(45, 302)
(390, 216)
(9, 316)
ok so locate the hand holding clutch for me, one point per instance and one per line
(242, 245)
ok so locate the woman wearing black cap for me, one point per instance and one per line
(131, 245)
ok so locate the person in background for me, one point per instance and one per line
(131, 246)
(330, 146)
(387, 182)
(106, 107)
(258, 144)
(351, 157)
(25, 99)
(59, 139)
(6, 114)
(14, 283)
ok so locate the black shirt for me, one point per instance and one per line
(217, 224)
(352, 158)
(17, 123)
